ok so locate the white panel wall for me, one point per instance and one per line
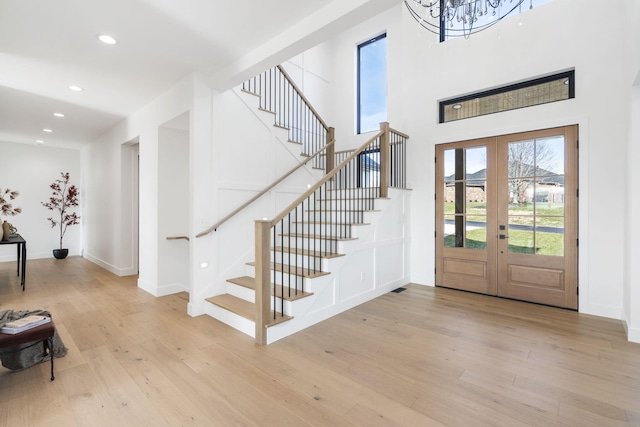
(30, 169)
(311, 72)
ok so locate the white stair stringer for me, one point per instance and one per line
(373, 262)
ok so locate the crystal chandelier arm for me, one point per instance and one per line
(466, 12)
(424, 23)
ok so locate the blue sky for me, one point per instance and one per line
(373, 85)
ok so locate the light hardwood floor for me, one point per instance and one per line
(421, 357)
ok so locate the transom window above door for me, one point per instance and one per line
(537, 91)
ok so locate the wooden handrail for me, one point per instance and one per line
(326, 178)
(306, 101)
(178, 238)
(263, 192)
(397, 132)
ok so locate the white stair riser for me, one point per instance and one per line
(241, 292)
(352, 193)
(249, 295)
(322, 229)
(307, 243)
(297, 260)
(283, 279)
(347, 204)
(329, 216)
(236, 321)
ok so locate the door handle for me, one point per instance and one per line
(502, 237)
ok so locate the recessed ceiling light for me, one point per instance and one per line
(106, 39)
(75, 88)
(457, 106)
(47, 130)
(39, 141)
(58, 114)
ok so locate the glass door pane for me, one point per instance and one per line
(536, 196)
(465, 201)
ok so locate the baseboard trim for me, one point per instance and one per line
(161, 291)
(34, 255)
(633, 335)
(611, 312)
(110, 267)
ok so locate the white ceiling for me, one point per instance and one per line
(47, 45)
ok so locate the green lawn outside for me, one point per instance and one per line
(547, 214)
(519, 241)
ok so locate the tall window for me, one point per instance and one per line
(372, 84)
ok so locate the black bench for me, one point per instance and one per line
(40, 334)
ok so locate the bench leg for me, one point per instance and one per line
(49, 342)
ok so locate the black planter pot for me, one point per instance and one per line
(60, 253)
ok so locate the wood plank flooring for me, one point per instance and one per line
(422, 357)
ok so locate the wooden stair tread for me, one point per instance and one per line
(243, 308)
(250, 283)
(306, 252)
(250, 92)
(267, 111)
(296, 271)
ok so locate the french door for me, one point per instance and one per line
(506, 216)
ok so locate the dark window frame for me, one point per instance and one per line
(570, 75)
(359, 76)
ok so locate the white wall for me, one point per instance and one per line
(109, 230)
(522, 52)
(632, 267)
(422, 71)
(344, 71)
(174, 209)
(311, 71)
(30, 169)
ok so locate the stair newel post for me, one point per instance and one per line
(263, 282)
(330, 153)
(384, 159)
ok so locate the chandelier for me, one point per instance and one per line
(453, 18)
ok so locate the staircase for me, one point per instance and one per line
(306, 256)
(302, 258)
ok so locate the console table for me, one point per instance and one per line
(16, 239)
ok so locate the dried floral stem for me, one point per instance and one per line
(7, 208)
(64, 197)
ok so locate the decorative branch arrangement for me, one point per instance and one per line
(6, 208)
(63, 199)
